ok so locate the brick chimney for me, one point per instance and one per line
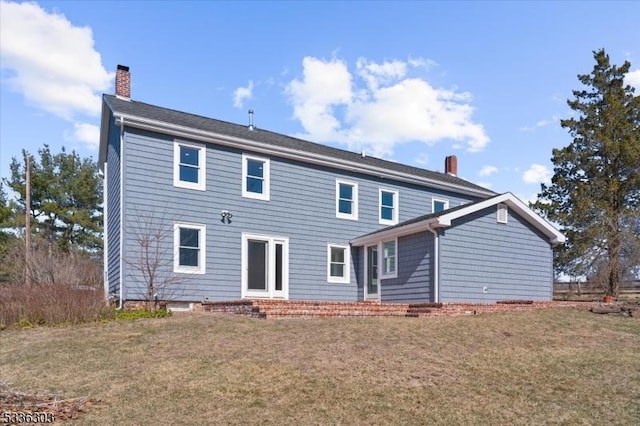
(451, 165)
(123, 82)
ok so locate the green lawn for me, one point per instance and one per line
(543, 367)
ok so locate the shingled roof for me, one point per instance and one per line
(130, 108)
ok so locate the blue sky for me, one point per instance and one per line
(408, 81)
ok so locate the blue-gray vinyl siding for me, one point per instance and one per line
(414, 282)
(112, 186)
(301, 208)
(513, 260)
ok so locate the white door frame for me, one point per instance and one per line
(271, 292)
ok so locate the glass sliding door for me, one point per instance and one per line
(265, 266)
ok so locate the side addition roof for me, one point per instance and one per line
(180, 124)
(444, 219)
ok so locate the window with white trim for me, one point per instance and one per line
(439, 204)
(346, 200)
(389, 259)
(189, 248)
(256, 176)
(388, 201)
(502, 213)
(338, 264)
(189, 165)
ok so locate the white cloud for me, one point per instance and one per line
(488, 170)
(542, 123)
(51, 62)
(633, 79)
(379, 106)
(537, 173)
(88, 134)
(241, 94)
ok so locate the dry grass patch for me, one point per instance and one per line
(543, 367)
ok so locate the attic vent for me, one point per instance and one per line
(502, 213)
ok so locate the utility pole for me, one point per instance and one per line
(27, 221)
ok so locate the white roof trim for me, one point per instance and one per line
(226, 140)
(444, 220)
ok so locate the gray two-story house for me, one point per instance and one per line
(203, 209)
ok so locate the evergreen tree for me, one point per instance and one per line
(595, 191)
(66, 197)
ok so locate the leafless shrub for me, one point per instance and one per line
(64, 287)
(50, 303)
(49, 265)
(153, 257)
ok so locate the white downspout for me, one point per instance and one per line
(436, 265)
(105, 221)
(121, 302)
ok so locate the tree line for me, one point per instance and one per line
(65, 212)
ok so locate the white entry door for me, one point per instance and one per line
(265, 266)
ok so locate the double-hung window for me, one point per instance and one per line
(338, 270)
(389, 259)
(439, 204)
(388, 201)
(189, 165)
(189, 247)
(346, 200)
(256, 177)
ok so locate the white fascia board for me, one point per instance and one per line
(515, 204)
(220, 139)
(104, 136)
(445, 220)
(395, 232)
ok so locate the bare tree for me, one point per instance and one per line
(152, 258)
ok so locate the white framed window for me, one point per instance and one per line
(189, 165)
(256, 177)
(346, 200)
(389, 253)
(189, 243)
(502, 214)
(439, 204)
(389, 206)
(338, 263)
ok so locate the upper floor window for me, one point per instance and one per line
(439, 204)
(346, 200)
(189, 248)
(255, 177)
(388, 201)
(189, 165)
(338, 270)
(389, 259)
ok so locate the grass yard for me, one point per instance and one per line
(546, 367)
